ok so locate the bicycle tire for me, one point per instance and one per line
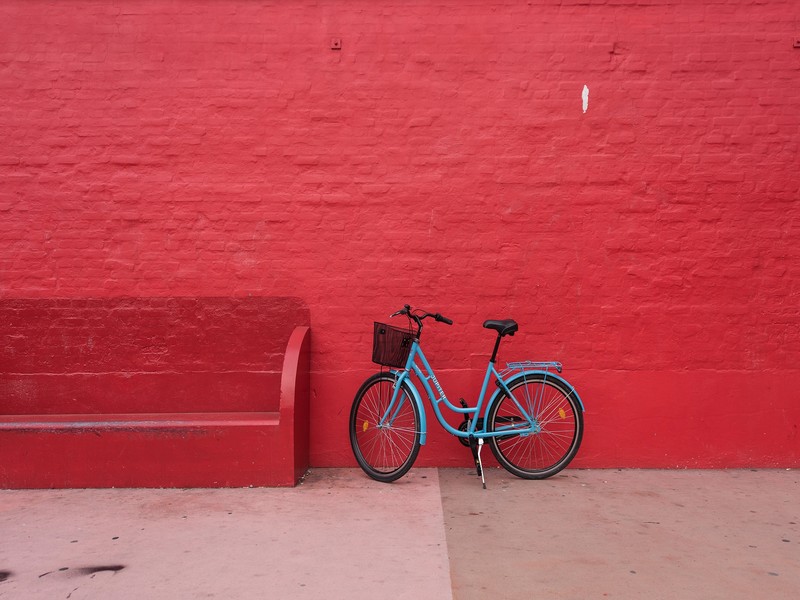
(384, 453)
(554, 406)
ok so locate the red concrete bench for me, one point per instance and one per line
(153, 392)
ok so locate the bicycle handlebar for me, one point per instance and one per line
(442, 319)
(410, 313)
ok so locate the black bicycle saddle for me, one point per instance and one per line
(502, 326)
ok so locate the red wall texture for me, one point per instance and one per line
(442, 158)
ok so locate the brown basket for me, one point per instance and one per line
(391, 345)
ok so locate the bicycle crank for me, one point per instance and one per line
(464, 426)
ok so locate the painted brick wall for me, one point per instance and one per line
(442, 158)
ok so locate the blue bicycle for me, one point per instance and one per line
(533, 420)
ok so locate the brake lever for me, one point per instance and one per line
(403, 311)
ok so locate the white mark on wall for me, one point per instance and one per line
(585, 98)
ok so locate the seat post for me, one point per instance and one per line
(496, 348)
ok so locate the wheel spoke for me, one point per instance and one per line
(540, 454)
(385, 451)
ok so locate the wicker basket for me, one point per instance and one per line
(391, 345)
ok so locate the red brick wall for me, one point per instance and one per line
(441, 157)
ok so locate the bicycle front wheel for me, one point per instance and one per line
(385, 442)
(553, 406)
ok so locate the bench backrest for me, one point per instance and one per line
(144, 355)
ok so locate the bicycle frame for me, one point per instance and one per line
(427, 376)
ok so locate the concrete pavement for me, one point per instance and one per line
(679, 535)
(434, 534)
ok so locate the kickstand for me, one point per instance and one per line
(476, 445)
(480, 464)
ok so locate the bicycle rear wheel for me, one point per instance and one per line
(384, 451)
(554, 407)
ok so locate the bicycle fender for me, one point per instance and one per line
(547, 375)
(402, 377)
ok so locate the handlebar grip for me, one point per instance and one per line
(442, 319)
